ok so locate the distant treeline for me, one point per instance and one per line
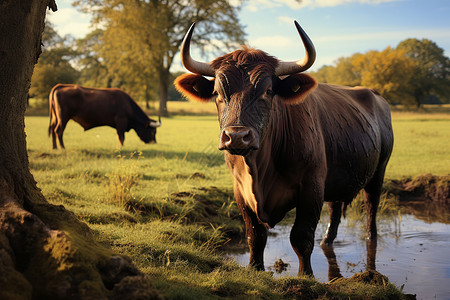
(415, 72)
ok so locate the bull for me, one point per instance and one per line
(290, 142)
(92, 107)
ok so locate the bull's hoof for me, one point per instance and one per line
(305, 273)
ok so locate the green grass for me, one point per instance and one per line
(169, 206)
(421, 145)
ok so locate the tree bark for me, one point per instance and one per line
(163, 91)
(45, 252)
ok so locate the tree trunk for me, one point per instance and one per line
(147, 96)
(45, 252)
(163, 91)
(418, 96)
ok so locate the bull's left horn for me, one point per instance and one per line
(293, 67)
(156, 124)
(188, 62)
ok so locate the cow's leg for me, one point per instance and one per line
(60, 131)
(54, 139)
(121, 126)
(256, 234)
(371, 246)
(120, 137)
(52, 131)
(333, 266)
(307, 217)
(335, 211)
(372, 199)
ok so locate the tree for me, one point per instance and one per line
(431, 75)
(388, 72)
(45, 252)
(342, 73)
(94, 72)
(141, 38)
(54, 64)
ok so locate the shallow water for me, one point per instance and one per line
(410, 251)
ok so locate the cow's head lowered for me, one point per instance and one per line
(244, 85)
(147, 131)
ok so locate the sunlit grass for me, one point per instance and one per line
(421, 146)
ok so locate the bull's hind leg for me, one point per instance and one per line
(335, 211)
(372, 199)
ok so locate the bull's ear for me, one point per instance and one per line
(295, 88)
(195, 87)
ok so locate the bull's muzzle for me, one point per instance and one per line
(238, 140)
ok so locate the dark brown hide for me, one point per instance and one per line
(91, 108)
(293, 143)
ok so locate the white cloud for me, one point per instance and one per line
(285, 20)
(256, 5)
(70, 21)
(298, 4)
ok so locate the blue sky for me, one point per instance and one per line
(337, 27)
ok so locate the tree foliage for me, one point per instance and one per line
(94, 72)
(54, 64)
(431, 75)
(141, 38)
(407, 74)
(388, 72)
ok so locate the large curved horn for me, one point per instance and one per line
(293, 67)
(156, 124)
(188, 62)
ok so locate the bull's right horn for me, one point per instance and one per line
(188, 62)
(293, 67)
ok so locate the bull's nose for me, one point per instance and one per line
(238, 138)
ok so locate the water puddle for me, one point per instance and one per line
(411, 250)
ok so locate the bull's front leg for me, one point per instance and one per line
(256, 234)
(309, 205)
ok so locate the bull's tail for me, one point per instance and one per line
(51, 103)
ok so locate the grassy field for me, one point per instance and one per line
(421, 145)
(169, 206)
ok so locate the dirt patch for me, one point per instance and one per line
(426, 187)
(280, 266)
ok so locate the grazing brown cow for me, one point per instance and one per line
(292, 143)
(91, 108)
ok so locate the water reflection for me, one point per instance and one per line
(333, 267)
(412, 251)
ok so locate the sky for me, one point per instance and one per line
(338, 28)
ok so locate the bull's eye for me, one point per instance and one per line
(269, 93)
(219, 99)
